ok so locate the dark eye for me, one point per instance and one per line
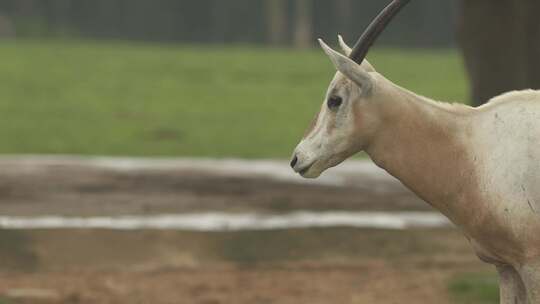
(334, 102)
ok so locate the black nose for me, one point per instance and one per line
(294, 161)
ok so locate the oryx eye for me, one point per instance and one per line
(334, 102)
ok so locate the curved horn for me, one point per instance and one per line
(373, 31)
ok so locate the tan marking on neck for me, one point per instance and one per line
(426, 145)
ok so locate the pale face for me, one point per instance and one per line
(336, 133)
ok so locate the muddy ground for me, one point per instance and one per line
(67, 189)
(337, 265)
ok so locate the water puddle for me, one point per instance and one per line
(234, 221)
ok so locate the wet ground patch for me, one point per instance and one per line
(16, 251)
(475, 288)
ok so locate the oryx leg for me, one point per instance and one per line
(530, 274)
(512, 288)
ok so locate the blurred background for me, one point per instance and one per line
(145, 145)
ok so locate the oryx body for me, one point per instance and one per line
(478, 166)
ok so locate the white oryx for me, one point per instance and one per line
(479, 166)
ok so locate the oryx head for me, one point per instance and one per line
(347, 119)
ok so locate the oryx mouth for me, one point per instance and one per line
(305, 170)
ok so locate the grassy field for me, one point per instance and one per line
(171, 100)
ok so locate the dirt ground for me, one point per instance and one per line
(338, 265)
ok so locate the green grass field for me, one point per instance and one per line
(171, 100)
(475, 289)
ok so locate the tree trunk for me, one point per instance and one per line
(25, 8)
(343, 14)
(276, 21)
(60, 15)
(303, 31)
(500, 42)
(220, 16)
(7, 30)
(533, 40)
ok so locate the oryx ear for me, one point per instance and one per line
(347, 51)
(349, 68)
(344, 47)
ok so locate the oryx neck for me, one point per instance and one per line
(424, 144)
